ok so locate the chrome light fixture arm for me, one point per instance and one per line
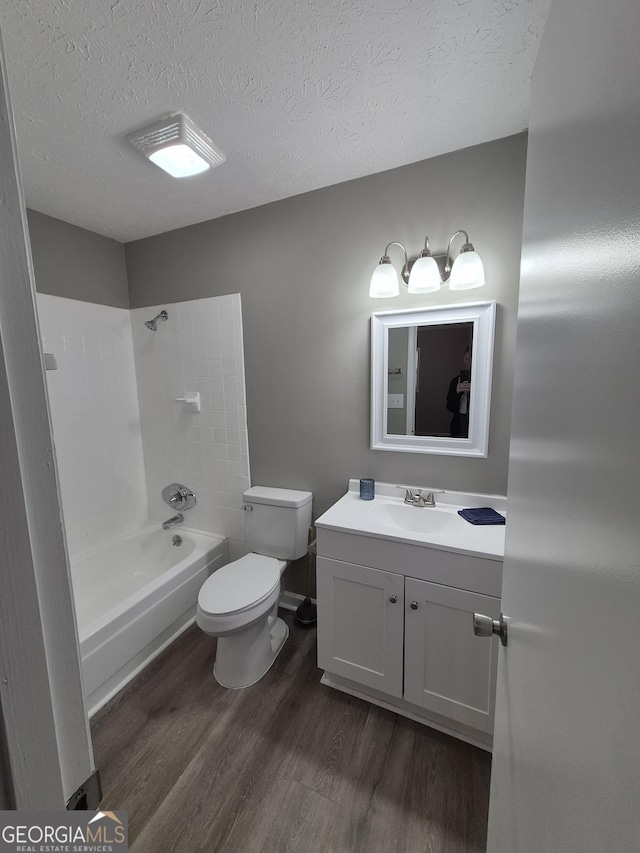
(385, 259)
(466, 247)
(408, 262)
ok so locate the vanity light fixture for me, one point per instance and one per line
(422, 274)
(176, 145)
(467, 272)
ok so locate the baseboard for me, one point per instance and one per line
(459, 731)
(292, 600)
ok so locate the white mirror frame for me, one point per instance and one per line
(482, 315)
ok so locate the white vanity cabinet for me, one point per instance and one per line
(361, 629)
(447, 669)
(395, 627)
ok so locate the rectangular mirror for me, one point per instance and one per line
(431, 379)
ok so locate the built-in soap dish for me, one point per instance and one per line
(191, 400)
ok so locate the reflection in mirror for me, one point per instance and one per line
(431, 379)
(429, 390)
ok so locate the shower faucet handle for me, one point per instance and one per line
(179, 497)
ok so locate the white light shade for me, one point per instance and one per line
(384, 282)
(467, 272)
(424, 276)
(179, 161)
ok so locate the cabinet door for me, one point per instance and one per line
(448, 669)
(360, 624)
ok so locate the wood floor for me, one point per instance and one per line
(285, 765)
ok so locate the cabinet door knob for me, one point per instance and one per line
(414, 605)
(485, 626)
(393, 599)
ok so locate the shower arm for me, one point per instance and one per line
(153, 324)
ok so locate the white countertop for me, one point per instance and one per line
(388, 517)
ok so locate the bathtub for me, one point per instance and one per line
(133, 597)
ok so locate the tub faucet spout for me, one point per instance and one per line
(173, 521)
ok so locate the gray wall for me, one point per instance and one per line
(397, 383)
(303, 267)
(76, 263)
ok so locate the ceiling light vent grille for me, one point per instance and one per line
(151, 139)
(174, 130)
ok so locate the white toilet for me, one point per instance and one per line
(238, 604)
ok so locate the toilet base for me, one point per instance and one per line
(243, 658)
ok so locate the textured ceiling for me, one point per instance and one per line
(298, 95)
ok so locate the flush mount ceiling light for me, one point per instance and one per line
(426, 273)
(176, 145)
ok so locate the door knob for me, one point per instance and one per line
(414, 605)
(485, 626)
(393, 599)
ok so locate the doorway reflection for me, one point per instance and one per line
(429, 394)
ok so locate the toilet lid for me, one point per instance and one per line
(240, 585)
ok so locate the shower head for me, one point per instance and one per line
(153, 324)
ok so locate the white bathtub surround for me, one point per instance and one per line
(96, 420)
(115, 411)
(133, 598)
(198, 349)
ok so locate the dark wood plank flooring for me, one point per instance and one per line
(285, 765)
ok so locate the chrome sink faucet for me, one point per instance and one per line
(173, 521)
(418, 499)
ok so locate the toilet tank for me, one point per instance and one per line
(278, 521)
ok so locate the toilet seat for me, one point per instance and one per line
(240, 585)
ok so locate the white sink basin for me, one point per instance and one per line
(388, 517)
(417, 519)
